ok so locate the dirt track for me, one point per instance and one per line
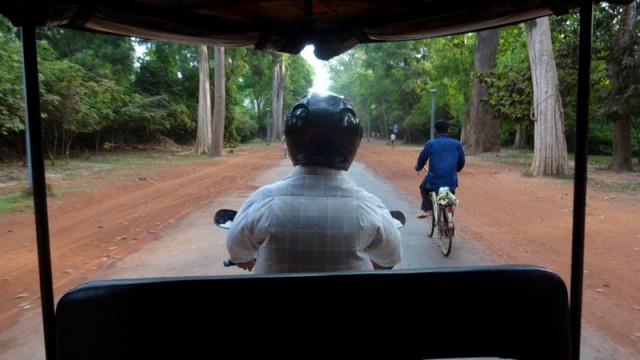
(516, 219)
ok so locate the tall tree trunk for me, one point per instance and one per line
(217, 137)
(620, 76)
(549, 146)
(54, 145)
(385, 121)
(464, 130)
(621, 159)
(63, 141)
(67, 146)
(203, 137)
(277, 96)
(484, 129)
(520, 141)
(407, 135)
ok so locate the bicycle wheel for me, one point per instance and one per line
(445, 234)
(431, 224)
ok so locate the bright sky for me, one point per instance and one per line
(322, 81)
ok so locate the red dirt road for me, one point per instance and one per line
(528, 220)
(516, 219)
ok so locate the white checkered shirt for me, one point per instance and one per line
(315, 220)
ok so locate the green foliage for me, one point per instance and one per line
(73, 103)
(168, 76)
(235, 70)
(510, 87)
(255, 87)
(390, 83)
(64, 111)
(94, 90)
(604, 104)
(148, 115)
(188, 75)
(245, 128)
(11, 94)
(102, 56)
(453, 69)
(299, 79)
(158, 72)
(182, 122)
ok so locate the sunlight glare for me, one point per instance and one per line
(321, 81)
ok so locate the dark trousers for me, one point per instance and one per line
(427, 205)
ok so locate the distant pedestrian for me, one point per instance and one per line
(393, 140)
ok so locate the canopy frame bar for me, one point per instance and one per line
(38, 181)
(580, 174)
(36, 160)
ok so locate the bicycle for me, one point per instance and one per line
(444, 205)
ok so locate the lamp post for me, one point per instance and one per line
(433, 110)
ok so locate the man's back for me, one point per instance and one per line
(446, 159)
(316, 220)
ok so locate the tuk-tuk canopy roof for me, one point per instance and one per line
(332, 26)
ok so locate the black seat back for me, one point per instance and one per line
(494, 311)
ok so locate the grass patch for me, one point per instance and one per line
(512, 157)
(528, 173)
(257, 141)
(615, 186)
(13, 176)
(569, 176)
(15, 203)
(597, 161)
(108, 162)
(115, 161)
(130, 164)
(523, 159)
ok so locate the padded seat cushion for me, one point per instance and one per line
(503, 311)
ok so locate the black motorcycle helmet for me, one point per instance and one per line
(322, 129)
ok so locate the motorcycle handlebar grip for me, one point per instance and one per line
(228, 262)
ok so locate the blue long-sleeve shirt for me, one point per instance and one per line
(446, 159)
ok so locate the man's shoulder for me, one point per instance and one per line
(451, 140)
(267, 190)
(458, 143)
(366, 199)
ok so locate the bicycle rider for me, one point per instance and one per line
(446, 159)
(316, 219)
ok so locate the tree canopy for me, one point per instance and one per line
(390, 83)
(99, 92)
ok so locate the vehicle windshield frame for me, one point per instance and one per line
(28, 27)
